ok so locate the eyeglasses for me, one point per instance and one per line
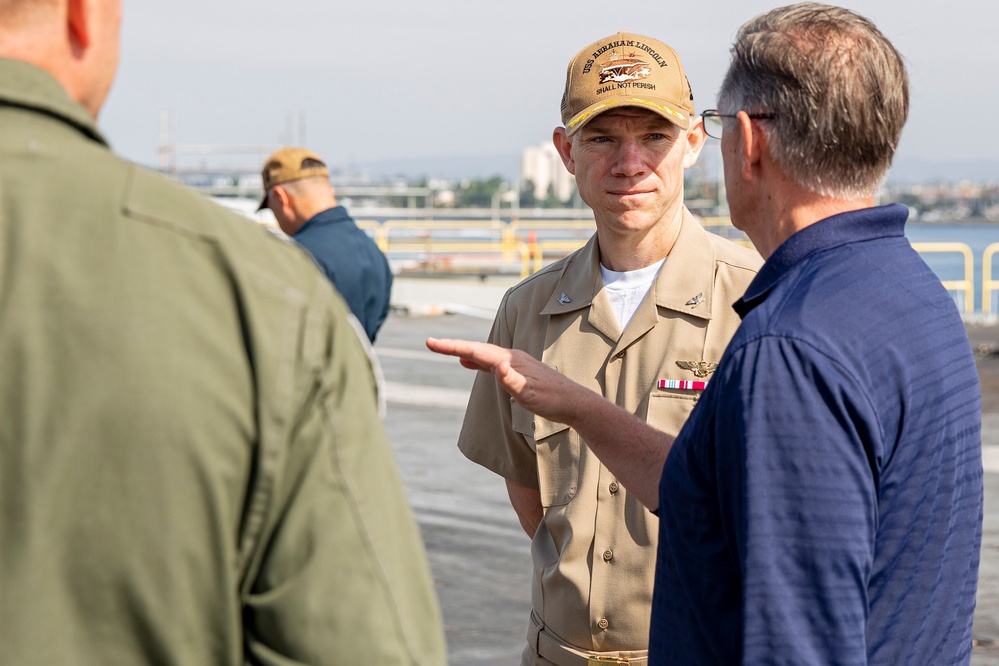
(713, 121)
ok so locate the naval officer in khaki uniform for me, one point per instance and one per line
(640, 315)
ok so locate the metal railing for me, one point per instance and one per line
(965, 289)
(523, 247)
(988, 284)
(477, 246)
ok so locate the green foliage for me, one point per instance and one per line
(552, 201)
(527, 198)
(478, 193)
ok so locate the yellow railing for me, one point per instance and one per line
(443, 246)
(554, 249)
(965, 286)
(477, 245)
(988, 284)
(578, 227)
(464, 257)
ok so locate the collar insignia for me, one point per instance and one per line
(699, 368)
(696, 300)
(563, 299)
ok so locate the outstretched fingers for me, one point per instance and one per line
(485, 357)
(473, 355)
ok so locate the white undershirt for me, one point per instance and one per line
(626, 290)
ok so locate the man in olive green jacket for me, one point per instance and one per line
(192, 468)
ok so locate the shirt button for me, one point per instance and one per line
(608, 555)
(614, 487)
(534, 425)
(603, 623)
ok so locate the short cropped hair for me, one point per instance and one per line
(838, 91)
(304, 186)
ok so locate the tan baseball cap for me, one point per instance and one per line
(288, 164)
(626, 70)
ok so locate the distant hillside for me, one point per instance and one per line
(916, 170)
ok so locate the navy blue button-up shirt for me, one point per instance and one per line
(823, 503)
(352, 262)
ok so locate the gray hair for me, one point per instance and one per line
(837, 89)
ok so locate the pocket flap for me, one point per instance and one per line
(535, 427)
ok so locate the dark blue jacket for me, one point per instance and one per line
(352, 262)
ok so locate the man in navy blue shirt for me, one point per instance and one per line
(823, 503)
(297, 190)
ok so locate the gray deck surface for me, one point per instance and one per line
(478, 553)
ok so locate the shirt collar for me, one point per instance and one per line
(688, 276)
(580, 281)
(26, 86)
(688, 272)
(328, 216)
(852, 227)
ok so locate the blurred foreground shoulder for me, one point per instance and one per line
(337, 561)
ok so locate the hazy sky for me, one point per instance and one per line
(379, 80)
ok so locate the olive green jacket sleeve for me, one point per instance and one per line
(338, 573)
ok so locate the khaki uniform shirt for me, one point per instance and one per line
(192, 469)
(594, 553)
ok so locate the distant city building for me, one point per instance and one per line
(543, 167)
(445, 197)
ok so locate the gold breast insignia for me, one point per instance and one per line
(699, 368)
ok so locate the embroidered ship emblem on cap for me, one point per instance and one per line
(699, 368)
(620, 69)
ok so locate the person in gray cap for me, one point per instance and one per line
(297, 190)
(645, 301)
(192, 467)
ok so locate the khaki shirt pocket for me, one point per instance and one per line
(557, 447)
(669, 409)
